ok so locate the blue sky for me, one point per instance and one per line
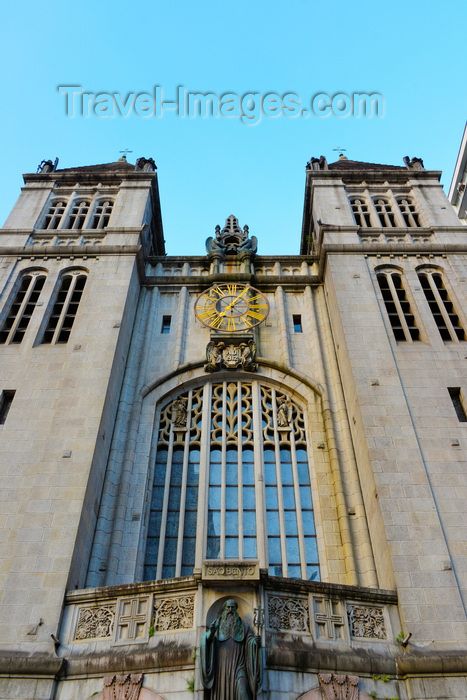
(412, 53)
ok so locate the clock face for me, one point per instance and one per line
(231, 307)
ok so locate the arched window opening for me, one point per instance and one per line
(54, 215)
(385, 213)
(78, 214)
(22, 307)
(441, 306)
(102, 214)
(408, 211)
(397, 305)
(251, 466)
(65, 307)
(361, 213)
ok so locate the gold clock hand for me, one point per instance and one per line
(232, 303)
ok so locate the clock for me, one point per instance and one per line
(231, 307)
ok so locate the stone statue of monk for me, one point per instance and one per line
(231, 657)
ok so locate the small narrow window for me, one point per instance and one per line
(166, 321)
(361, 213)
(441, 306)
(297, 323)
(397, 306)
(6, 399)
(102, 214)
(65, 308)
(21, 309)
(78, 215)
(456, 398)
(409, 214)
(55, 214)
(385, 213)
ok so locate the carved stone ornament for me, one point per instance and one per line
(291, 614)
(338, 687)
(414, 163)
(232, 240)
(145, 165)
(284, 413)
(173, 613)
(232, 357)
(122, 687)
(366, 622)
(46, 166)
(95, 622)
(317, 164)
(179, 414)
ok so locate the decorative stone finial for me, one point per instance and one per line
(317, 163)
(232, 240)
(414, 164)
(46, 166)
(145, 165)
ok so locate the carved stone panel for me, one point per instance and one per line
(222, 570)
(173, 613)
(94, 623)
(329, 618)
(132, 619)
(288, 613)
(367, 622)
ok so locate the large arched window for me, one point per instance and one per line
(232, 481)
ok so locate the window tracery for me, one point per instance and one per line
(232, 441)
(55, 214)
(78, 214)
(102, 212)
(408, 211)
(385, 213)
(360, 212)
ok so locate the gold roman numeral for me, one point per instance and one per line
(255, 314)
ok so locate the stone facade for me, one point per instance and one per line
(303, 457)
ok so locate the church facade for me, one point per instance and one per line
(278, 439)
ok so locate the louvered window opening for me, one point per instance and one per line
(398, 307)
(442, 308)
(65, 308)
(22, 308)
